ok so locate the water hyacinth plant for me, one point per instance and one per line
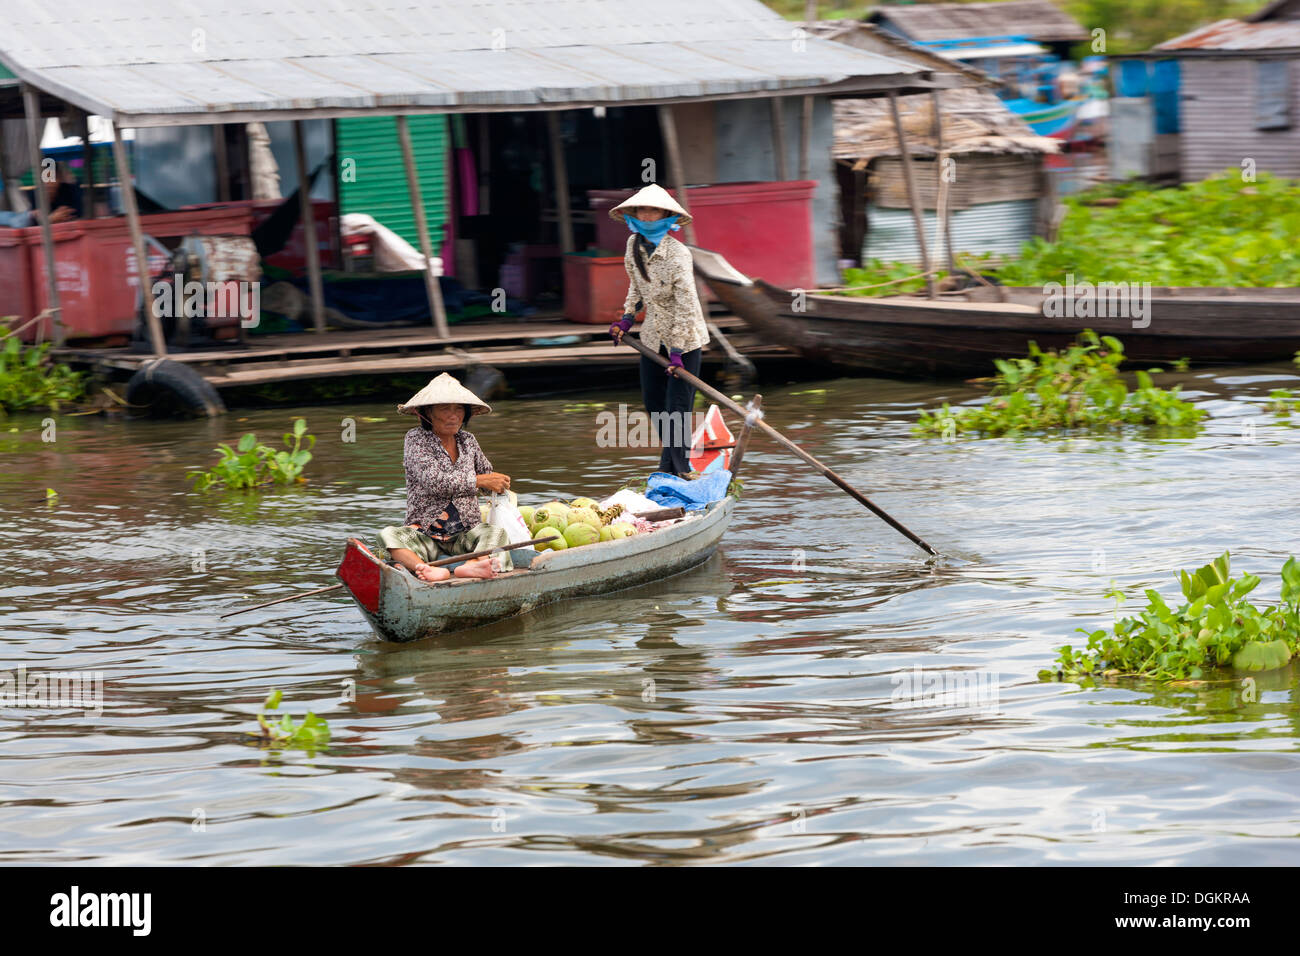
(1080, 387)
(252, 464)
(312, 733)
(1216, 628)
(30, 379)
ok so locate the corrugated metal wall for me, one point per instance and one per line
(380, 185)
(1218, 120)
(999, 227)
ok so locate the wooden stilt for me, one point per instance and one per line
(912, 197)
(778, 140)
(805, 138)
(561, 174)
(223, 164)
(32, 110)
(127, 186)
(308, 219)
(89, 200)
(676, 171)
(431, 286)
(742, 441)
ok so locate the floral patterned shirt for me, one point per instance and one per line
(442, 495)
(673, 314)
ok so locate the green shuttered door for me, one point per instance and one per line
(380, 185)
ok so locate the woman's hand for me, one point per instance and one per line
(494, 482)
(618, 329)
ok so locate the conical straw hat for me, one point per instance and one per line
(652, 195)
(445, 390)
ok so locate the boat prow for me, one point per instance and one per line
(400, 608)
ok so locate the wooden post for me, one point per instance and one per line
(912, 197)
(127, 186)
(32, 110)
(431, 287)
(941, 214)
(805, 137)
(223, 162)
(561, 174)
(778, 140)
(88, 163)
(742, 442)
(676, 171)
(308, 219)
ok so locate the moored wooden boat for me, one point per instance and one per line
(909, 336)
(401, 608)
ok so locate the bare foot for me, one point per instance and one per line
(426, 573)
(478, 568)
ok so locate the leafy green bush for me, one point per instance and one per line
(253, 464)
(29, 378)
(1217, 232)
(1078, 388)
(1217, 627)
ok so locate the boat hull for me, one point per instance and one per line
(915, 337)
(401, 609)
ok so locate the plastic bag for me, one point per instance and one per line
(503, 514)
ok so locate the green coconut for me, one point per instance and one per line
(580, 533)
(621, 529)
(557, 507)
(546, 517)
(526, 512)
(582, 503)
(554, 541)
(606, 533)
(586, 516)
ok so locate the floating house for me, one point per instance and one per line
(1024, 45)
(988, 175)
(1222, 96)
(520, 122)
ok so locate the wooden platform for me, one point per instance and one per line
(503, 344)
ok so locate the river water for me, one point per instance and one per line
(779, 704)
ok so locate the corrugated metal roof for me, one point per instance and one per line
(1238, 35)
(1036, 19)
(148, 62)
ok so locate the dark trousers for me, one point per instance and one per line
(668, 393)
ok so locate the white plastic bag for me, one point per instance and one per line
(503, 514)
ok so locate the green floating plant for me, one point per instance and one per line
(1216, 628)
(252, 464)
(1080, 387)
(312, 733)
(29, 378)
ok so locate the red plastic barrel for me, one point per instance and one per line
(764, 229)
(594, 288)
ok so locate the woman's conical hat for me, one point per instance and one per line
(445, 390)
(652, 195)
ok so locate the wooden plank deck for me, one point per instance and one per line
(336, 353)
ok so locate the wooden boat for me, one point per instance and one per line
(910, 336)
(401, 608)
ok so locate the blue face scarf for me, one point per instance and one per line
(654, 231)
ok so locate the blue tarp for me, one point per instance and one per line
(672, 492)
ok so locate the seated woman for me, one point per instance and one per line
(445, 468)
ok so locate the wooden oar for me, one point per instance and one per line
(433, 564)
(775, 435)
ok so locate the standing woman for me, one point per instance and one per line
(661, 277)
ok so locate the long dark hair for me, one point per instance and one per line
(638, 255)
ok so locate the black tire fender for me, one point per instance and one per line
(169, 388)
